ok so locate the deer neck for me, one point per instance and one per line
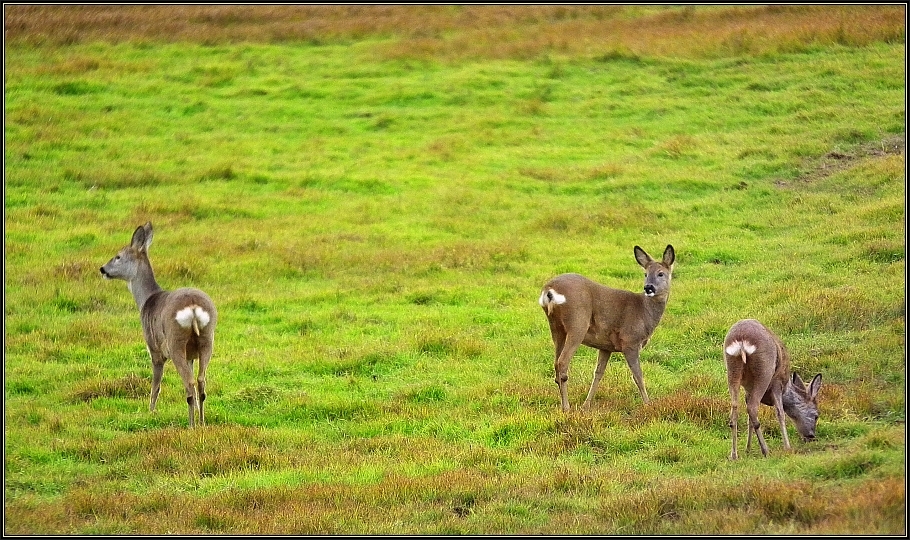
(792, 399)
(653, 307)
(143, 285)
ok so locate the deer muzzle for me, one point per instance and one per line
(650, 290)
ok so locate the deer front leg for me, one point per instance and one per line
(602, 358)
(634, 365)
(779, 408)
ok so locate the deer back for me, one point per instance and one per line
(610, 318)
(764, 359)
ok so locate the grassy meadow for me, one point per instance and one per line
(374, 196)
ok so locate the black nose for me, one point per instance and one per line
(102, 271)
(649, 289)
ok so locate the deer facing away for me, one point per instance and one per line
(178, 324)
(758, 361)
(583, 312)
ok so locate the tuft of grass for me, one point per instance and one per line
(130, 386)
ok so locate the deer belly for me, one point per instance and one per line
(604, 342)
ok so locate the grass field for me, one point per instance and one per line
(374, 196)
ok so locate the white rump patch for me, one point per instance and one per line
(734, 348)
(557, 298)
(550, 298)
(202, 316)
(186, 315)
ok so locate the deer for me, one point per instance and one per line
(178, 324)
(757, 360)
(583, 312)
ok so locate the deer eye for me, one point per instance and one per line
(660, 274)
(117, 258)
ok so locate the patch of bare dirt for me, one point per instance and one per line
(836, 161)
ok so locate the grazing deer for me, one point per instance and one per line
(758, 361)
(178, 324)
(582, 312)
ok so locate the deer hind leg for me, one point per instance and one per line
(734, 421)
(558, 333)
(734, 413)
(205, 354)
(635, 366)
(566, 352)
(185, 369)
(602, 358)
(753, 400)
(158, 361)
(734, 383)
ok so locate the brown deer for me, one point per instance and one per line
(758, 361)
(583, 312)
(178, 324)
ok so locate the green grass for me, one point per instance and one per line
(374, 204)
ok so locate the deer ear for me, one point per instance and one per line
(142, 237)
(796, 380)
(643, 258)
(149, 233)
(669, 256)
(815, 386)
(138, 239)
